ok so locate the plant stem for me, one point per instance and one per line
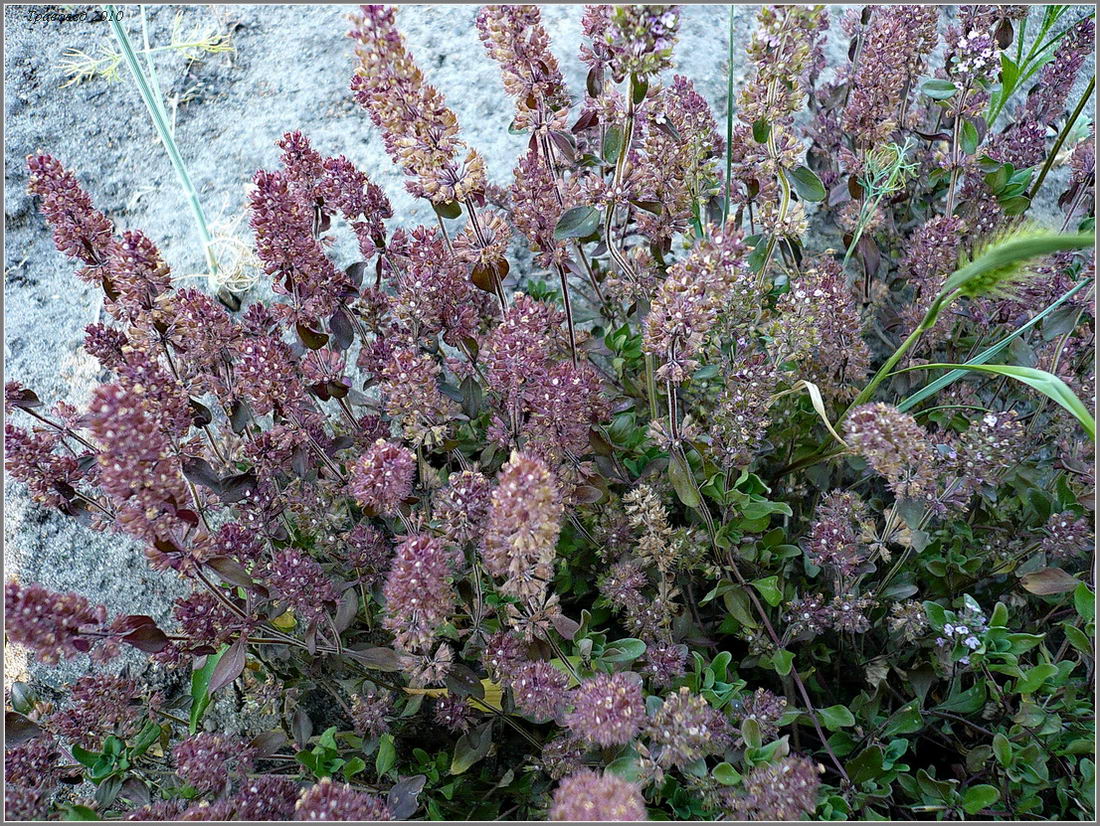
(156, 110)
(1085, 98)
(729, 124)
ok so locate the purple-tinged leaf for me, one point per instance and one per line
(402, 797)
(463, 682)
(301, 727)
(380, 659)
(348, 608)
(343, 332)
(199, 472)
(237, 487)
(22, 398)
(200, 413)
(266, 743)
(147, 638)
(229, 667)
(18, 729)
(239, 416)
(355, 272)
(566, 627)
(231, 571)
(311, 338)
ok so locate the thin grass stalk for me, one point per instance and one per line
(155, 108)
(729, 124)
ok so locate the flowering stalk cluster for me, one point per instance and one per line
(650, 523)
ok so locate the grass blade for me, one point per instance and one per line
(949, 378)
(1046, 383)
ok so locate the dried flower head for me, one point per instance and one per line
(419, 131)
(267, 797)
(539, 689)
(521, 533)
(298, 579)
(49, 623)
(897, 447)
(382, 478)
(588, 795)
(370, 713)
(338, 801)
(686, 728)
(784, 790)
(607, 710)
(418, 593)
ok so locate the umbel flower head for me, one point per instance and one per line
(589, 795)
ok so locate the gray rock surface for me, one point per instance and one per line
(290, 70)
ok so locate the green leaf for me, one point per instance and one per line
(987, 354)
(612, 144)
(1084, 601)
(936, 614)
(866, 765)
(683, 482)
(906, 720)
(807, 184)
(836, 717)
(990, 267)
(1034, 677)
(761, 129)
(750, 732)
(450, 209)
(1002, 749)
(969, 137)
(625, 650)
(1078, 638)
(353, 767)
(578, 222)
(471, 747)
(783, 660)
(938, 89)
(979, 797)
(1046, 383)
(85, 757)
(387, 755)
(200, 680)
(625, 767)
(80, 812)
(769, 589)
(726, 774)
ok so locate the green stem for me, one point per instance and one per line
(1085, 98)
(651, 385)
